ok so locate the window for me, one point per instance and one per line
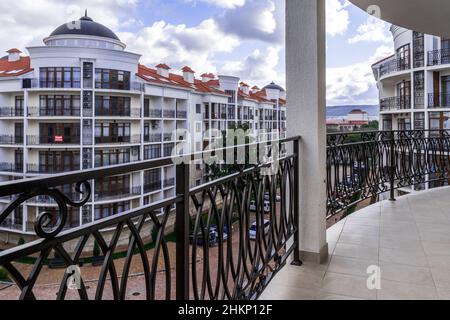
(59, 133)
(152, 152)
(113, 186)
(112, 132)
(58, 161)
(73, 216)
(419, 121)
(152, 180)
(439, 120)
(404, 95)
(110, 157)
(403, 56)
(108, 210)
(404, 124)
(112, 79)
(168, 148)
(112, 106)
(60, 77)
(67, 105)
(198, 108)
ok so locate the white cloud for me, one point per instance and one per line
(256, 20)
(373, 30)
(228, 4)
(258, 68)
(354, 84)
(338, 18)
(27, 22)
(179, 45)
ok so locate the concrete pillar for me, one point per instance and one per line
(306, 83)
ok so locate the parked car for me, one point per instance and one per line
(212, 240)
(266, 206)
(267, 197)
(224, 234)
(253, 229)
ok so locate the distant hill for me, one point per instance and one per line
(343, 111)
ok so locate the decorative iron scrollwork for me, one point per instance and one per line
(47, 225)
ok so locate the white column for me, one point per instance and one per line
(306, 82)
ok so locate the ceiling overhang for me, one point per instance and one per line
(426, 16)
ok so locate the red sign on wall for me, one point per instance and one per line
(59, 139)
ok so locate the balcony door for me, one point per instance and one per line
(18, 132)
(445, 84)
(404, 57)
(404, 94)
(445, 52)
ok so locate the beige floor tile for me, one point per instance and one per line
(277, 292)
(356, 251)
(407, 274)
(360, 239)
(350, 266)
(392, 290)
(412, 257)
(347, 285)
(441, 277)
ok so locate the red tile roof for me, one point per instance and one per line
(187, 69)
(14, 68)
(208, 75)
(14, 50)
(163, 66)
(152, 76)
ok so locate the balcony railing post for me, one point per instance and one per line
(182, 232)
(296, 261)
(392, 165)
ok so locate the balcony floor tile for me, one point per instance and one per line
(408, 239)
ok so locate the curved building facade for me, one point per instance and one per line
(414, 83)
(82, 101)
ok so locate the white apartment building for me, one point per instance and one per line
(414, 83)
(82, 101)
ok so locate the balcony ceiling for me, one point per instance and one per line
(429, 16)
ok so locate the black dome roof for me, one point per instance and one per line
(88, 27)
(274, 86)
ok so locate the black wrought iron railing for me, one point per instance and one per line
(395, 103)
(438, 57)
(439, 100)
(394, 65)
(227, 245)
(365, 165)
(11, 112)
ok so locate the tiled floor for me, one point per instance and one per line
(409, 240)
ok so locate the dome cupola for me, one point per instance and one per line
(84, 32)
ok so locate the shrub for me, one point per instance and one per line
(21, 241)
(3, 274)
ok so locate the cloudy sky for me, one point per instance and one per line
(239, 37)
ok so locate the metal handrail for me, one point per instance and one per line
(194, 234)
